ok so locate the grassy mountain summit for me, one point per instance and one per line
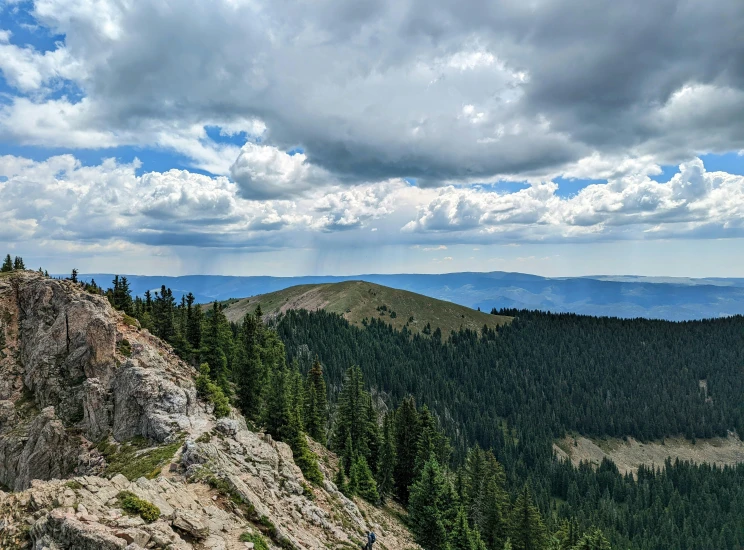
(359, 300)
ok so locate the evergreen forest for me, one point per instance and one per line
(459, 429)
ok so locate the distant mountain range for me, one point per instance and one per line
(675, 299)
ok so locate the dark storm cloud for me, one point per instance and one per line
(437, 90)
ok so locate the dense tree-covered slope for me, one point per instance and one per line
(512, 390)
(550, 373)
(515, 390)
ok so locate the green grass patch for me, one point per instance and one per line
(74, 485)
(130, 321)
(259, 543)
(125, 348)
(134, 505)
(307, 491)
(221, 485)
(134, 459)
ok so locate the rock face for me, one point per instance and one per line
(63, 355)
(65, 386)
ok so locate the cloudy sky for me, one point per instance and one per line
(556, 137)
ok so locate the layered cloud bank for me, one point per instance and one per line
(301, 124)
(60, 199)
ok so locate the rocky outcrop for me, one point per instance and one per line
(68, 390)
(227, 482)
(261, 473)
(62, 362)
(50, 452)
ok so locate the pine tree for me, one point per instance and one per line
(350, 410)
(250, 372)
(18, 264)
(178, 340)
(478, 543)
(348, 455)
(568, 534)
(277, 409)
(340, 478)
(431, 442)
(364, 482)
(124, 297)
(163, 307)
(73, 276)
(215, 345)
(386, 463)
(352, 487)
(406, 438)
(484, 496)
(372, 436)
(7, 265)
(355, 422)
(294, 435)
(461, 537)
(316, 403)
(430, 503)
(472, 479)
(527, 531)
(211, 392)
(148, 301)
(194, 319)
(594, 539)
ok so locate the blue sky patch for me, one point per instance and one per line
(733, 163)
(26, 31)
(215, 134)
(570, 187)
(508, 187)
(153, 160)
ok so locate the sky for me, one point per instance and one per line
(254, 137)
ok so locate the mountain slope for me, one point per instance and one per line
(359, 300)
(99, 421)
(673, 299)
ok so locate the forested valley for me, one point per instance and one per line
(470, 456)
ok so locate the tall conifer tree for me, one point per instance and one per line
(386, 463)
(215, 346)
(194, 319)
(7, 265)
(430, 505)
(406, 439)
(461, 537)
(316, 403)
(527, 531)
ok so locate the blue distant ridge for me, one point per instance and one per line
(673, 299)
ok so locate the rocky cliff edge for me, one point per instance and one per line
(104, 445)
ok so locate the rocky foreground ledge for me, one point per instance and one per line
(106, 445)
